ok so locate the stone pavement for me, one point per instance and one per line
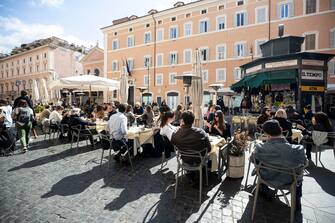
(51, 183)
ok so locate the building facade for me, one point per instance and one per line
(93, 62)
(48, 59)
(228, 33)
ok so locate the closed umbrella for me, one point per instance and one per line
(44, 91)
(197, 90)
(124, 86)
(35, 92)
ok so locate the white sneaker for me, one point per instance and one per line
(24, 149)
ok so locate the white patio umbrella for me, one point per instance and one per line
(197, 89)
(35, 92)
(124, 86)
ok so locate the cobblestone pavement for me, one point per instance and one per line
(51, 183)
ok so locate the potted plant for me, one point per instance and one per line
(237, 154)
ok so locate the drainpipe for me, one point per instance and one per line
(269, 20)
(154, 56)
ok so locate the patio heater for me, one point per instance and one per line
(142, 89)
(216, 88)
(187, 81)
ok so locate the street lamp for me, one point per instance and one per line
(187, 81)
(216, 88)
(142, 89)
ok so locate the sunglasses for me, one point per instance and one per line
(216, 116)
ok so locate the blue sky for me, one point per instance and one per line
(78, 21)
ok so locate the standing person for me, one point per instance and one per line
(7, 112)
(23, 116)
(309, 113)
(24, 96)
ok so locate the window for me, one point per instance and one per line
(188, 56)
(237, 74)
(130, 41)
(173, 19)
(45, 66)
(240, 50)
(310, 41)
(30, 59)
(258, 48)
(221, 7)
(204, 11)
(115, 66)
(261, 14)
(172, 100)
(115, 44)
(147, 25)
(310, 6)
(172, 78)
(115, 33)
(24, 70)
(147, 61)
(240, 2)
(221, 52)
(173, 32)
(205, 76)
(285, 10)
(146, 80)
(204, 54)
(30, 69)
(45, 55)
(188, 15)
(159, 60)
(37, 68)
(203, 26)
(332, 4)
(173, 58)
(159, 79)
(187, 29)
(18, 71)
(130, 29)
(147, 37)
(221, 75)
(332, 38)
(221, 21)
(160, 22)
(160, 34)
(240, 19)
(24, 60)
(96, 72)
(37, 57)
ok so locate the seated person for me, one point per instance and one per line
(138, 109)
(266, 114)
(117, 127)
(277, 151)
(219, 126)
(286, 125)
(45, 113)
(76, 120)
(189, 138)
(166, 130)
(148, 117)
(56, 115)
(130, 115)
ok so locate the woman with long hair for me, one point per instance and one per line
(167, 129)
(218, 126)
(177, 115)
(265, 115)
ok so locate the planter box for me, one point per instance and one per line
(236, 166)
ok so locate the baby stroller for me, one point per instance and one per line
(7, 141)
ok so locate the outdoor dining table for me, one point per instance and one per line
(216, 143)
(139, 134)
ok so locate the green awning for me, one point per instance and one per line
(270, 77)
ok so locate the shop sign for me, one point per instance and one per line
(254, 69)
(313, 88)
(281, 64)
(312, 75)
(313, 62)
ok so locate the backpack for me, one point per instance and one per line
(24, 115)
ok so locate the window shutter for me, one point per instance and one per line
(332, 39)
(291, 8)
(170, 59)
(236, 46)
(245, 18)
(176, 58)
(278, 11)
(235, 20)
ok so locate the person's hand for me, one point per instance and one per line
(208, 125)
(300, 127)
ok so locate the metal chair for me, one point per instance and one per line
(107, 144)
(295, 172)
(201, 156)
(124, 145)
(164, 160)
(320, 148)
(80, 131)
(224, 158)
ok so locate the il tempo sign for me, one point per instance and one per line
(312, 75)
